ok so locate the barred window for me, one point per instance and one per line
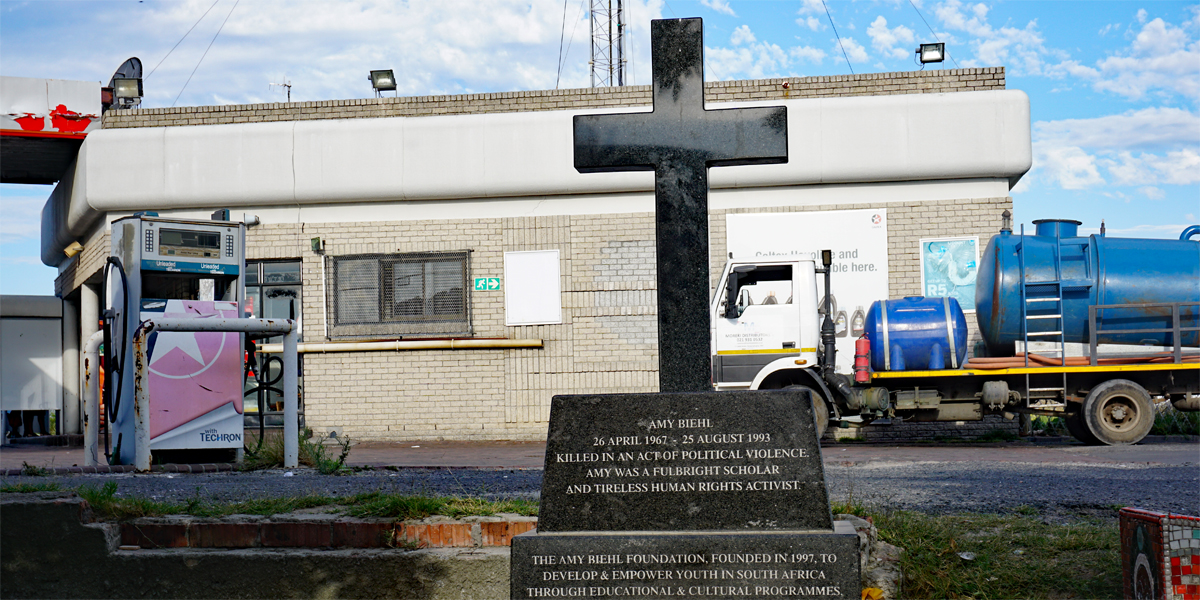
(411, 294)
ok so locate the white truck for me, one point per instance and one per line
(769, 332)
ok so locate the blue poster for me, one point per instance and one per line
(948, 268)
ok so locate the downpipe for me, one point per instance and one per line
(91, 399)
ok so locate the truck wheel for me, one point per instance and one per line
(1118, 412)
(1078, 429)
(820, 410)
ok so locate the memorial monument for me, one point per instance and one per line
(687, 492)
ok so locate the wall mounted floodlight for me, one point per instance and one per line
(932, 53)
(124, 89)
(383, 80)
(127, 90)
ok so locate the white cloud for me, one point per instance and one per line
(854, 51)
(1069, 166)
(750, 59)
(1180, 167)
(1161, 57)
(21, 260)
(1141, 15)
(326, 48)
(1144, 231)
(1020, 49)
(22, 214)
(888, 41)
(721, 6)
(1128, 169)
(807, 54)
(810, 22)
(1148, 147)
(810, 7)
(1149, 127)
(1152, 192)
(742, 35)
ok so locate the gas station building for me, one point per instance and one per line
(452, 271)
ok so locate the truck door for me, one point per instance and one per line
(762, 326)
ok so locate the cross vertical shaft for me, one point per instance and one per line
(679, 139)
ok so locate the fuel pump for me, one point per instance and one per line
(174, 269)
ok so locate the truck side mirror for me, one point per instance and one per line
(731, 288)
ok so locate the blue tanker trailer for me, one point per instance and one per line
(1094, 329)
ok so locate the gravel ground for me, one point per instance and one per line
(1057, 491)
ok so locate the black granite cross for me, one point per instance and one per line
(679, 140)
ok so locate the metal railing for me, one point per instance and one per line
(141, 423)
(1176, 329)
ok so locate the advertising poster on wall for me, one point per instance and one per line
(858, 239)
(948, 267)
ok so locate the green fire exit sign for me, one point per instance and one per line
(486, 284)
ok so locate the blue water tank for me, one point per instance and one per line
(916, 334)
(1091, 270)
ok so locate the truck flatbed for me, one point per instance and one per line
(1038, 370)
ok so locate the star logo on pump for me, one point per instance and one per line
(187, 354)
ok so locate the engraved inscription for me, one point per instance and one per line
(684, 575)
(706, 462)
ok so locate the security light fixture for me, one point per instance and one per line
(127, 90)
(124, 89)
(932, 53)
(383, 80)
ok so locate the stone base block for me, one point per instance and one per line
(693, 564)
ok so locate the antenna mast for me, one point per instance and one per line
(608, 43)
(287, 84)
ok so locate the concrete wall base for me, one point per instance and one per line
(52, 550)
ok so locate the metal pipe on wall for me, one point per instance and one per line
(402, 345)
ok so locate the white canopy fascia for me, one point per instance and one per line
(916, 137)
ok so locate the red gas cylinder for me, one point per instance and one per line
(862, 350)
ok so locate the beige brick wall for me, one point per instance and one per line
(867, 84)
(908, 222)
(608, 339)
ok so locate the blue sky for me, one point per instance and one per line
(1114, 86)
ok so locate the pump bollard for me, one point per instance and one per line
(287, 327)
(291, 421)
(141, 397)
(91, 399)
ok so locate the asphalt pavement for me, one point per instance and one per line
(1060, 481)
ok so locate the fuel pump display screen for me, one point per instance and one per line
(179, 242)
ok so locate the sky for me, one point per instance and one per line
(1114, 86)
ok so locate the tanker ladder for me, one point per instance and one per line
(1046, 296)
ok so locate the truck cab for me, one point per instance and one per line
(764, 318)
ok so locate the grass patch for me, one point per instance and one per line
(999, 435)
(1015, 556)
(27, 488)
(34, 471)
(400, 508)
(107, 505)
(267, 453)
(110, 507)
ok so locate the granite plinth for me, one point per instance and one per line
(685, 461)
(783, 564)
(679, 140)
